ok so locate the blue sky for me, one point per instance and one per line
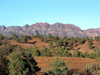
(82, 13)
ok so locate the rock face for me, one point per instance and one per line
(57, 29)
(92, 32)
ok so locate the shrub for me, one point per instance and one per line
(97, 52)
(67, 53)
(45, 52)
(58, 67)
(62, 52)
(92, 69)
(3, 64)
(50, 44)
(24, 39)
(92, 55)
(75, 74)
(59, 43)
(90, 44)
(34, 51)
(86, 54)
(41, 38)
(70, 45)
(77, 54)
(22, 64)
(49, 36)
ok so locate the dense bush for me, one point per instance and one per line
(86, 55)
(75, 74)
(97, 38)
(34, 51)
(62, 52)
(70, 45)
(92, 69)
(15, 37)
(77, 54)
(90, 44)
(23, 39)
(22, 64)
(59, 43)
(45, 51)
(58, 67)
(51, 45)
(97, 52)
(3, 64)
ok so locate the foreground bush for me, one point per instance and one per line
(45, 51)
(62, 52)
(34, 51)
(92, 69)
(21, 64)
(58, 67)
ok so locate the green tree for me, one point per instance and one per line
(86, 54)
(24, 39)
(92, 55)
(1, 37)
(70, 45)
(97, 52)
(77, 54)
(14, 36)
(90, 44)
(58, 67)
(97, 38)
(92, 69)
(59, 51)
(7, 48)
(21, 64)
(75, 74)
(0, 42)
(65, 44)
(50, 44)
(62, 52)
(49, 36)
(45, 52)
(45, 38)
(3, 64)
(34, 51)
(59, 43)
(37, 35)
(41, 38)
(67, 53)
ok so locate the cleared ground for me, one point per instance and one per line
(74, 64)
(38, 43)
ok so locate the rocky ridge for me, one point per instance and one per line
(57, 29)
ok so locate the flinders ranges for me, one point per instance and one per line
(49, 37)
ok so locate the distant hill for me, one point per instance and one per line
(57, 29)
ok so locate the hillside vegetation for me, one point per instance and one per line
(35, 54)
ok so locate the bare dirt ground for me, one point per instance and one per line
(38, 43)
(85, 47)
(31, 43)
(74, 64)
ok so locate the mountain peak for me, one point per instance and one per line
(56, 29)
(2, 28)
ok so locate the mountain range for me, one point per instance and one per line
(57, 29)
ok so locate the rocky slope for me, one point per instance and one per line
(58, 29)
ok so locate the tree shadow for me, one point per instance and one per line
(92, 43)
(78, 48)
(32, 42)
(72, 71)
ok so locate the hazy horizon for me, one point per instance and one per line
(82, 13)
